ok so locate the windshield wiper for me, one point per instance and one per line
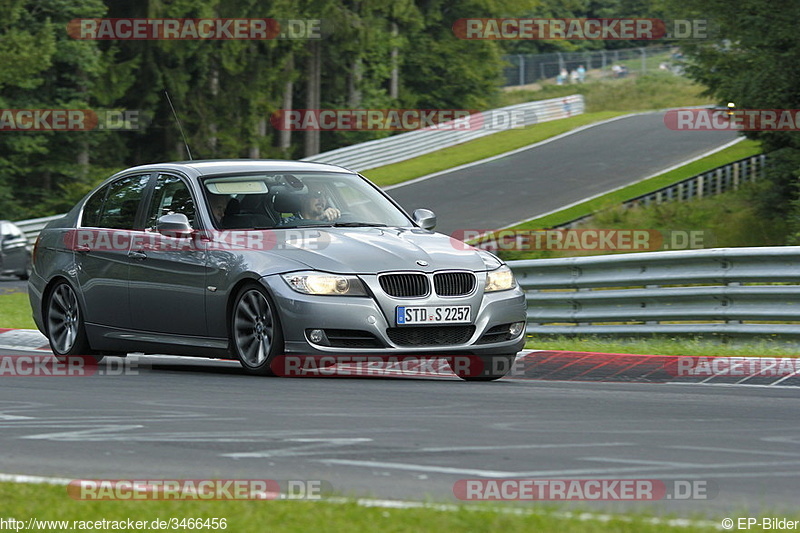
(359, 224)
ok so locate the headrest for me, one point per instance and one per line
(286, 202)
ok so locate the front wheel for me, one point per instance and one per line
(256, 336)
(481, 367)
(65, 328)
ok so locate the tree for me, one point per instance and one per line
(753, 61)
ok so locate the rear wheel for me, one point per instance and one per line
(65, 327)
(482, 367)
(256, 337)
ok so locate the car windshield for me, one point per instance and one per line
(298, 199)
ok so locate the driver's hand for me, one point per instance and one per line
(330, 214)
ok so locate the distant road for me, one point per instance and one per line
(556, 174)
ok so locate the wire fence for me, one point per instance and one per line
(525, 69)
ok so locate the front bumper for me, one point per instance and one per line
(300, 313)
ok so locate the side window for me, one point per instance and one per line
(92, 209)
(171, 195)
(122, 202)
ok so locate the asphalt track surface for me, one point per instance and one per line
(555, 174)
(405, 438)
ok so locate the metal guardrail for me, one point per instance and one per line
(716, 181)
(729, 291)
(724, 178)
(372, 154)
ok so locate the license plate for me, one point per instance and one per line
(433, 315)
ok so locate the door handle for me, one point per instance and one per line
(137, 255)
(83, 248)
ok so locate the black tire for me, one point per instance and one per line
(256, 337)
(64, 323)
(491, 367)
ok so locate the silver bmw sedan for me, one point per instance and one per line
(255, 260)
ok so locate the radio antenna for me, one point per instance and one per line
(185, 142)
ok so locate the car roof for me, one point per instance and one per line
(210, 167)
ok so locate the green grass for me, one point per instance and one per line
(612, 199)
(47, 502)
(478, 149)
(668, 346)
(15, 311)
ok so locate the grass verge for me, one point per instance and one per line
(15, 311)
(47, 502)
(478, 149)
(668, 346)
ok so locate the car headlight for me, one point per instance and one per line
(322, 283)
(501, 279)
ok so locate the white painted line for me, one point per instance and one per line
(21, 478)
(512, 152)
(541, 473)
(420, 468)
(516, 447)
(44, 350)
(334, 441)
(670, 464)
(85, 435)
(312, 446)
(792, 375)
(668, 169)
(733, 450)
(4, 416)
(485, 473)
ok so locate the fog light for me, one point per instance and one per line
(516, 328)
(317, 336)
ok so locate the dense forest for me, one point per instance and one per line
(370, 54)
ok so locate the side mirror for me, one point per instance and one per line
(173, 225)
(425, 218)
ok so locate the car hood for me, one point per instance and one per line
(373, 250)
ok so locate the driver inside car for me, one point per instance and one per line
(314, 207)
